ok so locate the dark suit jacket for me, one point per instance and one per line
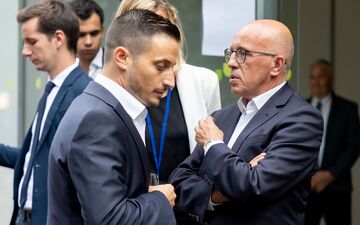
(99, 169)
(289, 130)
(73, 85)
(342, 143)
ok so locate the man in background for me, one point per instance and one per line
(331, 185)
(50, 31)
(89, 50)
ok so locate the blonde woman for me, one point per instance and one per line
(170, 135)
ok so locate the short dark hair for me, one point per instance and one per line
(84, 9)
(53, 15)
(134, 28)
(327, 65)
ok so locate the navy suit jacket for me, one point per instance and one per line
(11, 157)
(342, 143)
(99, 168)
(289, 130)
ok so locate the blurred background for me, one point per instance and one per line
(322, 29)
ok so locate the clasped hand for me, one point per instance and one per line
(206, 131)
(167, 189)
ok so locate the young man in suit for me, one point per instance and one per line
(89, 50)
(331, 186)
(98, 165)
(217, 182)
(50, 32)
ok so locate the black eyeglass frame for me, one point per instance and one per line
(228, 53)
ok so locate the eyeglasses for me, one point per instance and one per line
(240, 54)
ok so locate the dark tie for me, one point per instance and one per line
(40, 113)
(319, 105)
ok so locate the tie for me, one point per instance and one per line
(40, 113)
(319, 105)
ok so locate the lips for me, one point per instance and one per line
(34, 61)
(232, 76)
(88, 52)
(160, 92)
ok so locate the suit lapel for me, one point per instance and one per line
(102, 93)
(229, 119)
(56, 105)
(136, 136)
(269, 110)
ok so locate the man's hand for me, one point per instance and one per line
(218, 198)
(321, 180)
(207, 131)
(167, 190)
(255, 161)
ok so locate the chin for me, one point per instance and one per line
(236, 92)
(153, 102)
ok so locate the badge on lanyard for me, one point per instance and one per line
(154, 177)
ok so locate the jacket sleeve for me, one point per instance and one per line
(291, 145)
(8, 156)
(192, 191)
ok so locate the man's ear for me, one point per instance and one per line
(279, 65)
(60, 38)
(121, 57)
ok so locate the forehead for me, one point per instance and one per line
(162, 45)
(30, 26)
(249, 40)
(92, 22)
(320, 69)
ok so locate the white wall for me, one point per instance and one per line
(9, 98)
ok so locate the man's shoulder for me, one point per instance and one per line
(80, 76)
(77, 80)
(344, 102)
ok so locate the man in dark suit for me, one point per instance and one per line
(216, 183)
(331, 185)
(50, 32)
(98, 163)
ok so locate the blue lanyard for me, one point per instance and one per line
(158, 157)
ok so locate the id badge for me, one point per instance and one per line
(154, 179)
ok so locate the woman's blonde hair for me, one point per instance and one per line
(156, 6)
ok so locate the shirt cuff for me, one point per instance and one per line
(209, 144)
(211, 205)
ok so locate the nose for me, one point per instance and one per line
(88, 40)
(169, 80)
(232, 61)
(26, 51)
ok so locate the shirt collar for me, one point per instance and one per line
(60, 78)
(259, 101)
(132, 105)
(324, 100)
(98, 60)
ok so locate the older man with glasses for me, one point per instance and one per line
(254, 158)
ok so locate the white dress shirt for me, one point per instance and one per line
(325, 110)
(97, 64)
(136, 110)
(248, 111)
(58, 81)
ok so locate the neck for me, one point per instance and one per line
(65, 60)
(85, 65)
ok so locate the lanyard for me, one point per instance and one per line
(158, 157)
